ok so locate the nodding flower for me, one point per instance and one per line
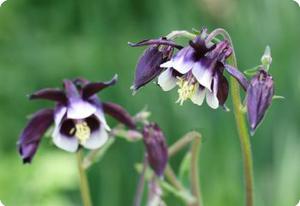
(78, 118)
(156, 148)
(197, 70)
(259, 98)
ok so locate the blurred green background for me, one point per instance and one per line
(43, 42)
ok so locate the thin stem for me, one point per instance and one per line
(170, 175)
(140, 189)
(194, 137)
(240, 123)
(182, 33)
(194, 175)
(96, 155)
(182, 142)
(84, 185)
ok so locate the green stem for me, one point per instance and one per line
(190, 137)
(241, 124)
(140, 189)
(194, 176)
(84, 185)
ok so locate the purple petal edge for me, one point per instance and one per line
(31, 135)
(94, 87)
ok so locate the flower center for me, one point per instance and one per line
(187, 89)
(83, 131)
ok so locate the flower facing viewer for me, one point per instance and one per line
(78, 118)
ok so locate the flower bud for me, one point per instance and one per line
(156, 147)
(266, 59)
(259, 97)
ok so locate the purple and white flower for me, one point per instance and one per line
(78, 118)
(198, 72)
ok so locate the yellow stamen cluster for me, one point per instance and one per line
(83, 132)
(186, 90)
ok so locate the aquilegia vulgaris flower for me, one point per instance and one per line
(259, 97)
(156, 148)
(78, 118)
(196, 69)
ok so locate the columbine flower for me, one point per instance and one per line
(198, 72)
(148, 66)
(259, 97)
(78, 118)
(157, 151)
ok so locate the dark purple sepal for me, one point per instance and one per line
(71, 90)
(223, 88)
(119, 113)
(50, 94)
(92, 88)
(239, 76)
(259, 98)
(156, 147)
(148, 67)
(31, 135)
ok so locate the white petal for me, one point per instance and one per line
(203, 75)
(212, 100)
(199, 96)
(167, 64)
(97, 139)
(100, 115)
(166, 80)
(69, 144)
(59, 114)
(179, 64)
(80, 109)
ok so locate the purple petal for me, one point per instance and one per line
(119, 114)
(183, 61)
(239, 76)
(222, 87)
(33, 132)
(148, 67)
(94, 87)
(50, 94)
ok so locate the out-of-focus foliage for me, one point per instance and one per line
(42, 42)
